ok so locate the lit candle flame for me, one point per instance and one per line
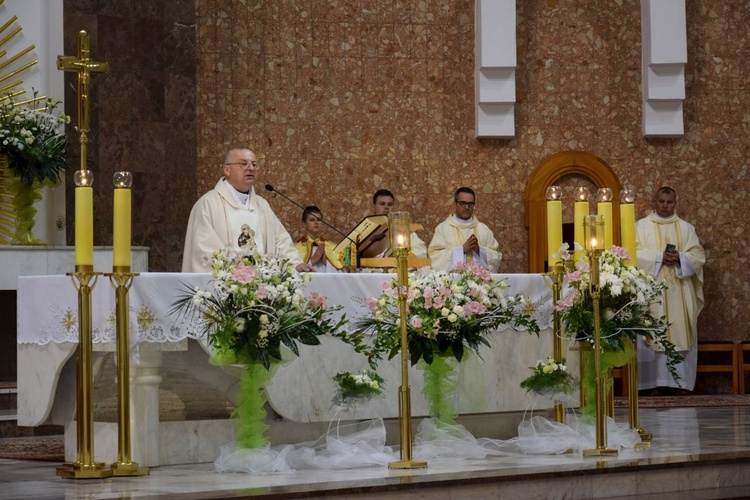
(400, 240)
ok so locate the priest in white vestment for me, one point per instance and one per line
(461, 238)
(668, 248)
(233, 216)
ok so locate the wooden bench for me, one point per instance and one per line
(743, 365)
(726, 362)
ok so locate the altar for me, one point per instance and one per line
(300, 391)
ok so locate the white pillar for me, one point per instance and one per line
(495, 67)
(664, 42)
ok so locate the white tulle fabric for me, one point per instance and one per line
(362, 444)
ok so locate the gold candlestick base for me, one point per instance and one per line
(129, 469)
(600, 452)
(81, 471)
(408, 464)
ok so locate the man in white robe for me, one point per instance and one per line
(668, 248)
(232, 215)
(462, 238)
(382, 204)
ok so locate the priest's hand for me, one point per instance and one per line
(670, 258)
(305, 268)
(471, 245)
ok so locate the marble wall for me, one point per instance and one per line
(343, 97)
(142, 117)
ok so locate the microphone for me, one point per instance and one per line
(274, 190)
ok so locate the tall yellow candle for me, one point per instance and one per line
(627, 223)
(554, 225)
(604, 208)
(581, 210)
(84, 220)
(121, 234)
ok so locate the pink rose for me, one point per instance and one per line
(317, 300)
(372, 303)
(619, 251)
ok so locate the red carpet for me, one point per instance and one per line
(43, 448)
(689, 401)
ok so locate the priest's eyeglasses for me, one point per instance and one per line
(245, 165)
(466, 204)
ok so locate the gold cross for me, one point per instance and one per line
(84, 66)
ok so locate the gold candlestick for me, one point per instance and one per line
(84, 279)
(400, 236)
(556, 274)
(121, 280)
(594, 228)
(634, 411)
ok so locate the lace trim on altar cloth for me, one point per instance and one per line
(362, 444)
(146, 326)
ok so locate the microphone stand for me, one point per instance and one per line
(271, 189)
(274, 190)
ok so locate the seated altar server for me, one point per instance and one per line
(232, 215)
(462, 238)
(315, 250)
(382, 204)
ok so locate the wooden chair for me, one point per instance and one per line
(726, 362)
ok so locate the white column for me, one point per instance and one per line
(495, 67)
(664, 42)
(144, 408)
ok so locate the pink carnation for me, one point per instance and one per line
(416, 322)
(429, 292)
(428, 302)
(244, 274)
(445, 292)
(262, 292)
(438, 302)
(372, 303)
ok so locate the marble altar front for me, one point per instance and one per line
(300, 391)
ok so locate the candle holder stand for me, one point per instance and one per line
(404, 392)
(121, 280)
(601, 424)
(634, 410)
(556, 275)
(84, 279)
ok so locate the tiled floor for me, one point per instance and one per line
(693, 449)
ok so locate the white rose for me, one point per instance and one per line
(452, 318)
(445, 312)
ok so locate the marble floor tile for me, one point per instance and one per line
(694, 449)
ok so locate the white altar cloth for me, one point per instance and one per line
(301, 390)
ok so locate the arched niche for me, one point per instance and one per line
(550, 172)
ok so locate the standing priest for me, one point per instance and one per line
(668, 249)
(232, 215)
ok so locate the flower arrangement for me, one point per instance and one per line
(33, 140)
(550, 379)
(256, 306)
(447, 312)
(352, 387)
(626, 295)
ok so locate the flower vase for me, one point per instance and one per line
(610, 359)
(17, 200)
(250, 414)
(440, 384)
